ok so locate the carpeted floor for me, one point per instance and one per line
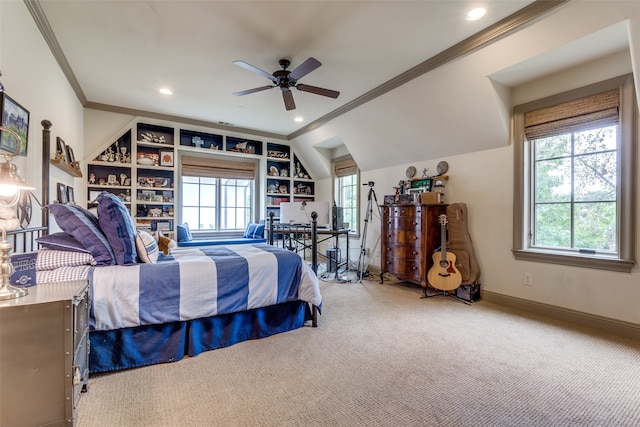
(382, 356)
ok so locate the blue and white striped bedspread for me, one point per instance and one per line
(199, 282)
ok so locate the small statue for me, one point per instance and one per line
(92, 179)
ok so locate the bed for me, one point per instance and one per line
(149, 308)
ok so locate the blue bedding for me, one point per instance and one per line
(194, 283)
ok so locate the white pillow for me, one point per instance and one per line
(147, 247)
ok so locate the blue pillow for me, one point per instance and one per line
(61, 242)
(184, 234)
(83, 226)
(116, 223)
(254, 231)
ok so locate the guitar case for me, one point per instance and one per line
(459, 242)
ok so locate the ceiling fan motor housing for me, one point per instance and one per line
(284, 80)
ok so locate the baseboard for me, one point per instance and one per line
(603, 324)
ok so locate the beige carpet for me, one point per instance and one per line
(382, 356)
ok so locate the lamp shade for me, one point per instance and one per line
(10, 177)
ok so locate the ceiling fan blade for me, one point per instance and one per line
(248, 91)
(250, 67)
(287, 95)
(319, 91)
(305, 68)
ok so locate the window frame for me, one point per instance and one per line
(219, 206)
(354, 229)
(627, 164)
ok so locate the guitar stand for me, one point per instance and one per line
(443, 294)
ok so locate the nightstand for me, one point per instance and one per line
(44, 354)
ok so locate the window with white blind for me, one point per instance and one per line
(217, 194)
(574, 162)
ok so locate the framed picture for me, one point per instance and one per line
(70, 156)
(70, 196)
(93, 195)
(16, 118)
(166, 158)
(61, 150)
(112, 180)
(161, 182)
(62, 193)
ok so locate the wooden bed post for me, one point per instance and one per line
(46, 156)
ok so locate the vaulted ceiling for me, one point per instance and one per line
(404, 68)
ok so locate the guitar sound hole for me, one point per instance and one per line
(444, 263)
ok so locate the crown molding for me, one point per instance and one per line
(491, 34)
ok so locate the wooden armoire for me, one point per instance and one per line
(410, 233)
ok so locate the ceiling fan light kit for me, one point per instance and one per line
(285, 80)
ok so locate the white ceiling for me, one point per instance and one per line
(405, 81)
(122, 52)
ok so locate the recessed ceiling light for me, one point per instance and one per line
(298, 119)
(166, 91)
(475, 14)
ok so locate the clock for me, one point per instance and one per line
(411, 172)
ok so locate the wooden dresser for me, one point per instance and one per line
(409, 234)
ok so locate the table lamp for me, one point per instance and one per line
(10, 186)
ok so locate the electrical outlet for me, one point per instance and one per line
(527, 279)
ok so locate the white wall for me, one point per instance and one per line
(484, 181)
(33, 78)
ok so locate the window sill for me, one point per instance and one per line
(600, 263)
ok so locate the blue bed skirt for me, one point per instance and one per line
(148, 345)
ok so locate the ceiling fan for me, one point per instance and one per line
(285, 79)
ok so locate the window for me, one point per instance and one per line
(216, 203)
(347, 191)
(217, 194)
(574, 191)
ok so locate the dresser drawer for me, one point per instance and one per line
(403, 223)
(404, 268)
(409, 252)
(402, 237)
(404, 210)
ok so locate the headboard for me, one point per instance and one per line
(24, 238)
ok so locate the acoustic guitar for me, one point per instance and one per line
(444, 275)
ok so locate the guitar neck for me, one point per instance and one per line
(443, 236)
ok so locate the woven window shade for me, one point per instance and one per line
(345, 167)
(594, 111)
(215, 168)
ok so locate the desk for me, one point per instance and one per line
(298, 238)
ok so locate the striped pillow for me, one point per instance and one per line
(116, 223)
(83, 226)
(147, 247)
(254, 231)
